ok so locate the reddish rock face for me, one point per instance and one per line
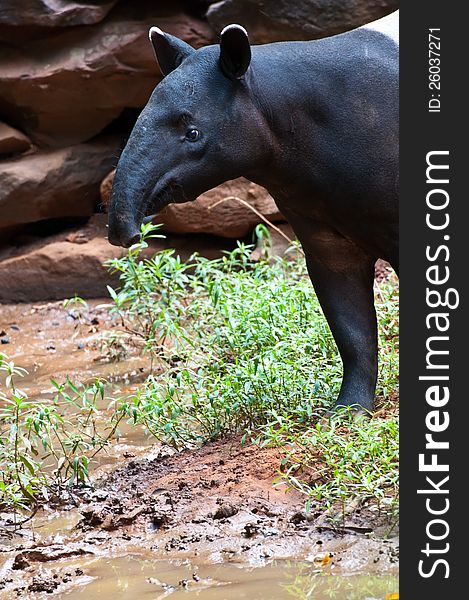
(68, 68)
(64, 265)
(12, 141)
(217, 212)
(71, 263)
(54, 183)
(280, 20)
(64, 88)
(53, 13)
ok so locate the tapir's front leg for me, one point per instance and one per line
(343, 275)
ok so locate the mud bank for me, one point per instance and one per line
(213, 520)
(215, 505)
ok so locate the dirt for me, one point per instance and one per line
(220, 504)
(216, 504)
(382, 270)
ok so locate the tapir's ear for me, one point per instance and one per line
(235, 51)
(170, 51)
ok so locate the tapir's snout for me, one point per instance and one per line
(124, 242)
(123, 229)
(126, 205)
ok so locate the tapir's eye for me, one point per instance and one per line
(192, 134)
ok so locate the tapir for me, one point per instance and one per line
(316, 124)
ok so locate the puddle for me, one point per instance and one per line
(128, 578)
(50, 341)
(133, 576)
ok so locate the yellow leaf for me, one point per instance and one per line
(322, 559)
(392, 596)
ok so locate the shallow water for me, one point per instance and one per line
(50, 341)
(131, 577)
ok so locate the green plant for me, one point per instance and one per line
(247, 349)
(263, 241)
(48, 444)
(150, 301)
(326, 585)
(244, 348)
(339, 460)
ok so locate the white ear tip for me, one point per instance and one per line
(156, 30)
(234, 26)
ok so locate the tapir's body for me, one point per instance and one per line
(316, 123)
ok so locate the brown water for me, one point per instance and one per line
(131, 577)
(50, 341)
(126, 571)
(138, 575)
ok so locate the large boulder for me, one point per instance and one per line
(53, 13)
(54, 183)
(278, 20)
(12, 141)
(65, 88)
(71, 263)
(220, 212)
(217, 212)
(62, 266)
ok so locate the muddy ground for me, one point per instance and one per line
(220, 503)
(216, 504)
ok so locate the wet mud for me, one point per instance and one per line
(216, 521)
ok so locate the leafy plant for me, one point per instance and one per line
(46, 445)
(246, 349)
(243, 347)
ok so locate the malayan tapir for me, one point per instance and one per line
(316, 123)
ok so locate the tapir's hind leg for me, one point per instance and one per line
(343, 275)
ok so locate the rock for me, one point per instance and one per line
(43, 584)
(54, 268)
(50, 553)
(53, 13)
(54, 183)
(64, 89)
(277, 20)
(58, 269)
(12, 141)
(230, 219)
(224, 511)
(20, 563)
(301, 516)
(92, 516)
(112, 521)
(251, 529)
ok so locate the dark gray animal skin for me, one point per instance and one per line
(316, 123)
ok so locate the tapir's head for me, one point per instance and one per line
(201, 127)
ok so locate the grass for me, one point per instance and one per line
(241, 347)
(246, 349)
